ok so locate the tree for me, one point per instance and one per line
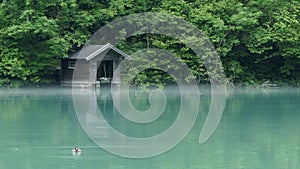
(257, 40)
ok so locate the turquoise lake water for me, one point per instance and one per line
(259, 130)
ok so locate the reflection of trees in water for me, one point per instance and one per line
(12, 108)
(258, 130)
(263, 122)
(140, 100)
(39, 117)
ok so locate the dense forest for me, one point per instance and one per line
(257, 40)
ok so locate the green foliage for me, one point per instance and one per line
(35, 35)
(257, 40)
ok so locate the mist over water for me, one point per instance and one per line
(259, 129)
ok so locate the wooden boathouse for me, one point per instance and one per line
(92, 65)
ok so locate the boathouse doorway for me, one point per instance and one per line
(105, 71)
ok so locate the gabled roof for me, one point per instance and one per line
(88, 52)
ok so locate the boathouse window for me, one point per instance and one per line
(71, 64)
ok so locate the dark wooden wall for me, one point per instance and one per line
(83, 73)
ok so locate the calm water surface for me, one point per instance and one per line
(259, 130)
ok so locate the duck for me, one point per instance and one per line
(76, 150)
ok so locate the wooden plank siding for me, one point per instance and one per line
(82, 76)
